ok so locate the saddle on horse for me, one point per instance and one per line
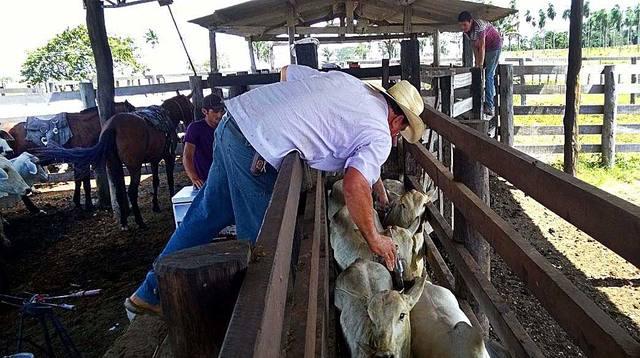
(158, 118)
(42, 131)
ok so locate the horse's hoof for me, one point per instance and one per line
(89, 207)
(41, 213)
(6, 243)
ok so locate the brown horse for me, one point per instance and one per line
(85, 126)
(129, 139)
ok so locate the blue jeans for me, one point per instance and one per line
(231, 195)
(491, 61)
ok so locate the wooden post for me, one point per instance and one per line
(291, 31)
(572, 107)
(106, 92)
(436, 48)
(238, 90)
(198, 290)
(252, 55)
(477, 92)
(410, 71)
(410, 61)
(385, 73)
(506, 104)
(447, 90)
(213, 51)
(87, 94)
(634, 78)
(467, 52)
(609, 117)
(476, 177)
(195, 83)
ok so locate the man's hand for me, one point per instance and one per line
(384, 247)
(197, 182)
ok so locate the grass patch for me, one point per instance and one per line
(556, 120)
(589, 168)
(622, 51)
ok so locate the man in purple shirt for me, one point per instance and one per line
(198, 141)
(487, 43)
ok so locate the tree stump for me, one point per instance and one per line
(199, 287)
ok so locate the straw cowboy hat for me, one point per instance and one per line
(409, 100)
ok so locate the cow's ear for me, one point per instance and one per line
(31, 167)
(6, 136)
(413, 294)
(3, 175)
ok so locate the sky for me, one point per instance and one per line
(28, 24)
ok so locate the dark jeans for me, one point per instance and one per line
(231, 195)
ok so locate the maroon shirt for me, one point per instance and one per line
(200, 134)
(480, 29)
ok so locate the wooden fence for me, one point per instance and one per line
(612, 88)
(285, 301)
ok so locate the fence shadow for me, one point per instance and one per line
(540, 325)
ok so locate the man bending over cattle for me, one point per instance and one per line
(333, 120)
(198, 141)
(487, 44)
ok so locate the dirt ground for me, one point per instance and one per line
(68, 249)
(603, 276)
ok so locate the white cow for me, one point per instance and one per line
(375, 319)
(439, 328)
(11, 183)
(27, 165)
(29, 168)
(348, 244)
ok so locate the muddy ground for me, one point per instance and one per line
(67, 249)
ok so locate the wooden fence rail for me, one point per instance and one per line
(258, 317)
(577, 202)
(609, 109)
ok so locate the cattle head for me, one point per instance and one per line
(10, 181)
(407, 210)
(390, 326)
(27, 165)
(407, 251)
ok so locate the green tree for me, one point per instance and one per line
(542, 21)
(68, 56)
(327, 54)
(362, 51)
(151, 38)
(344, 54)
(551, 14)
(389, 48)
(264, 52)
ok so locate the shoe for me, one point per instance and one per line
(135, 306)
(488, 111)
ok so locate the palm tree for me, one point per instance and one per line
(542, 20)
(586, 12)
(551, 14)
(615, 17)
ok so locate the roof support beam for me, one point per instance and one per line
(349, 6)
(252, 55)
(406, 22)
(291, 31)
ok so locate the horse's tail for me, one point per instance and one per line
(79, 157)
